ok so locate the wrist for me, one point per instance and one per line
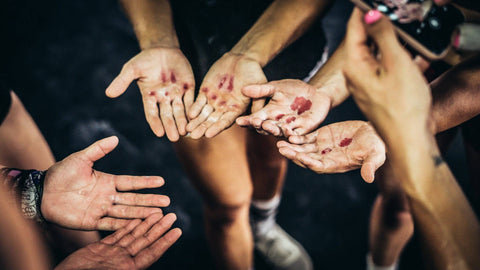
(333, 85)
(162, 42)
(250, 54)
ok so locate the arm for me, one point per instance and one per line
(220, 100)
(152, 22)
(456, 95)
(164, 75)
(449, 227)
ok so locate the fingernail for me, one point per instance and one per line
(456, 41)
(372, 16)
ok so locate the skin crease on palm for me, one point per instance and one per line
(167, 85)
(135, 246)
(220, 100)
(288, 112)
(336, 148)
(78, 197)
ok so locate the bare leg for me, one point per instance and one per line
(219, 170)
(23, 146)
(267, 167)
(391, 223)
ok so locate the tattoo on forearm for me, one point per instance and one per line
(438, 160)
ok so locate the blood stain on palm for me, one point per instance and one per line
(345, 142)
(290, 119)
(166, 94)
(222, 103)
(278, 117)
(213, 97)
(326, 150)
(151, 93)
(164, 77)
(222, 82)
(230, 84)
(301, 105)
(173, 79)
(205, 90)
(185, 86)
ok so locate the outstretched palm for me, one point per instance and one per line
(78, 197)
(338, 147)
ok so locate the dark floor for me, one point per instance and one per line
(60, 55)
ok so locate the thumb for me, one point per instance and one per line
(381, 30)
(258, 90)
(370, 165)
(120, 84)
(98, 149)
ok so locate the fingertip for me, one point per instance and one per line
(372, 16)
(242, 121)
(368, 173)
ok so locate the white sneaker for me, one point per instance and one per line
(282, 251)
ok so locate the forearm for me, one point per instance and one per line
(447, 223)
(281, 24)
(456, 95)
(152, 22)
(330, 79)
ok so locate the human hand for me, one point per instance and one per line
(136, 246)
(289, 112)
(78, 197)
(389, 88)
(220, 100)
(336, 148)
(166, 81)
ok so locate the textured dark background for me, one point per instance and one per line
(59, 56)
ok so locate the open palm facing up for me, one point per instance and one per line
(336, 148)
(295, 108)
(78, 197)
(220, 100)
(136, 246)
(167, 85)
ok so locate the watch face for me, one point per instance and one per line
(429, 24)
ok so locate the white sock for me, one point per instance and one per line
(263, 215)
(371, 265)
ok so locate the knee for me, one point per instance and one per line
(229, 210)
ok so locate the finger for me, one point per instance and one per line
(188, 98)
(225, 121)
(166, 114)
(370, 165)
(421, 63)
(312, 163)
(179, 114)
(120, 84)
(153, 234)
(98, 150)
(259, 90)
(361, 60)
(381, 30)
(302, 139)
(111, 224)
(255, 119)
(200, 130)
(125, 211)
(197, 106)
(139, 231)
(151, 114)
(271, 127)
(136, 199)
(194, 123)
(114, 237)
(287, 152)
(151, 254)
(128, 182)
(258, 104)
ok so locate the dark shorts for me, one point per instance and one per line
(5, 101)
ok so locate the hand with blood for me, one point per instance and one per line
(295, 108)
(135, 246)
(220, 100)
(76, 196)
(167, 85)
(336, 148)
